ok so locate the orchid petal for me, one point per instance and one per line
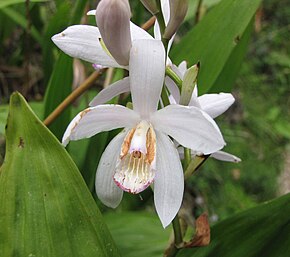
(92, 12)
(169, 181)
(182, 67)
(138, 33)
(146, 70)
(171, 100)
(82, 41)
(195, 91)
(223, 156)
(215, 104)
(157, 33)
(100, 118)
(190, 126)
(107, 191)
(173, 89)
(178, 71)
(117, 88)
(165, 6)
(219, 155)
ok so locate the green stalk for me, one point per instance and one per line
(164, 97)
(177, 231)
(194, 165)
(171, 74)
(187, 157)
(173, 248)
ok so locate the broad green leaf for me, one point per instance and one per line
(46, 208)
(37, 107)
(138, 233)
(5, 3)
(213, 39)
(260, 231)
(59, 87)
(227, 77)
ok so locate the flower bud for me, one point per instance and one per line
(113, 20)
(151, 6)
(188, 84)
(178, 10)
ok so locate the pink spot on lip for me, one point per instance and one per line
(128, 190)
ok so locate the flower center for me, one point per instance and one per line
(135, 169)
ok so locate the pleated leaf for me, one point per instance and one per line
(261, 231)
(230, 71)
(46, 208)
(213, 40)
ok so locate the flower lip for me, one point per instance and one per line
(136, 165)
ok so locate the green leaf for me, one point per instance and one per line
(59, 87)
(37, 107)
(46, 208)
(227, 77)
(138, 233)
(214, 39)
(5, 3)
(261, 231)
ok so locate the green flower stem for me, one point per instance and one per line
(187, 157)
(171, 74)
(194, 165)
(164, 97)
(177, 231)
(173, 248)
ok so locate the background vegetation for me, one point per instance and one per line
(256, 128)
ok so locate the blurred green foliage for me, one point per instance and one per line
(256, 128)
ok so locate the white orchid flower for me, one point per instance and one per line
(213, 104)
(85, 42)
(144, 153)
